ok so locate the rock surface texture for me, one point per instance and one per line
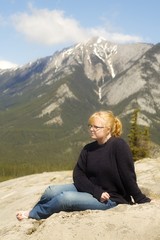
(136, 222)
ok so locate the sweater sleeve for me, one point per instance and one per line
(81, 180)
(127, 173)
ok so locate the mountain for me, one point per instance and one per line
(44, 105)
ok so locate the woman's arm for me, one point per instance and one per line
(127, 173)
(81, 180)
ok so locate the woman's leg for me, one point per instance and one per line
(69, 201)
(48, 194)
(54, 190)
(44, 205)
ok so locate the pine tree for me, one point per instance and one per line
(144, 142)
(138, 138)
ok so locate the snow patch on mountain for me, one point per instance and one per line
(7, 65)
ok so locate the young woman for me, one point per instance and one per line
(103, 177)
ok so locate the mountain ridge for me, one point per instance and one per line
(44, 105)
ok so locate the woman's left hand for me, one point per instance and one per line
(105, 196)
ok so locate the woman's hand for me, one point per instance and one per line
(104, 197)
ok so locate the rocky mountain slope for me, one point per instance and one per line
(44, 105)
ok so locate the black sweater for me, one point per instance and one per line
(108, 168)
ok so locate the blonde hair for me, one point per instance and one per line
(110, 120)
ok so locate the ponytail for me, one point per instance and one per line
(117, 127)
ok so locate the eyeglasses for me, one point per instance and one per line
(94, 127)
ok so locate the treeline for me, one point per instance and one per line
(14, 169)
(36, 153)
(46, 160)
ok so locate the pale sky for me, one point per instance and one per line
(37, 28)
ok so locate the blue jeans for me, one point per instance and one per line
(66, 198)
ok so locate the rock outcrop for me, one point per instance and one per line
(136, 222)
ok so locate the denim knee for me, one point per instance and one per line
(66, 200)
(48, 193)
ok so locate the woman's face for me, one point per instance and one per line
(99, 131)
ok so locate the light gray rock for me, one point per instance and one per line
(137, 222)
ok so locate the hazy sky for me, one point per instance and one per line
(37, 28)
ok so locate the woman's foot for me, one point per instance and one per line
(22, 215)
